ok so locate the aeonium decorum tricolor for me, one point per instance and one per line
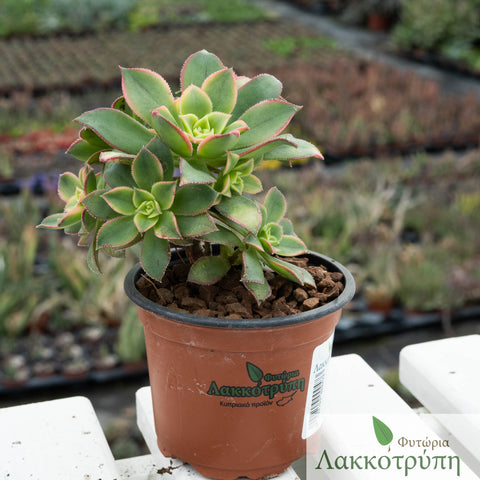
(165, 171)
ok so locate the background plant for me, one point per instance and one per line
(403, 226)
(53, 16)
(452, 28)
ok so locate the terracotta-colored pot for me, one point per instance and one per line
(378, 22)
(233, 397)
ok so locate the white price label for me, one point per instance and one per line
(313, 419)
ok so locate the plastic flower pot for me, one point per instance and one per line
(237, 397)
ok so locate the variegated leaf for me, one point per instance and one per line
(220, 87)
(155, 255)
(242, 211)
(198, 67)
(117, 233)
(194, 100)
(193, 199)
(171, 135)
(266, 120)
(208, 270)
(146, 169)
(117, 129)
(145, 90)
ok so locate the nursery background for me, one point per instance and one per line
(391, 95)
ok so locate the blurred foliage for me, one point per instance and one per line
(451, 28)
(47, 16)
(300, 47)
(53, 16)
(131, 339)
(45, 279)
(407, 228)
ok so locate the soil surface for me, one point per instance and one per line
(230, 299)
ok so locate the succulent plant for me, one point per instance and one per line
(178, 171)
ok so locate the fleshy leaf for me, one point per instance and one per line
(287, 227)
(253, 241)
(291, 246)
(145, 90)
(196, 226)
(218, 121)
(121, 104)
(252, 267)
(261, 149)
(289, 271)
(117, 129)
(118, 175)
(217, 145)
(275, 205)
(242, 211)
(220, 87)
(82, 150)
(167, 227)
(192, 199)
(144, 222)
(260, 291)
(98, 207)
(68, 185)
(194, 100)
(93, 139)
(287, 152)
(194, 172)
(90, 181)
(222, 236)
(51, 221)
(260, 88)
(117, 233)
(198, 67)
(92, 257)
(208, 270)
(169, 133)
(88, 222)
(120, 199)
(116, 156)
(164, 193)
(162, 152)
(140, 196)
(252, 184)
(155, 255)
(265, 120)
(146, 169)
(238, 125)
(72, 218)
(231, 163)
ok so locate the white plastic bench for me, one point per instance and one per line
(63, 440)
(444, 375)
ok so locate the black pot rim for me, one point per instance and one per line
(250, 323)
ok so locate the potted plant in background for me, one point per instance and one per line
(377, 15)
(237, 337)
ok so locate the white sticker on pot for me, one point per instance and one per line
(320, 359)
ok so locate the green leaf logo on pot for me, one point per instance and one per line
(382, 432)
(255, 373)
